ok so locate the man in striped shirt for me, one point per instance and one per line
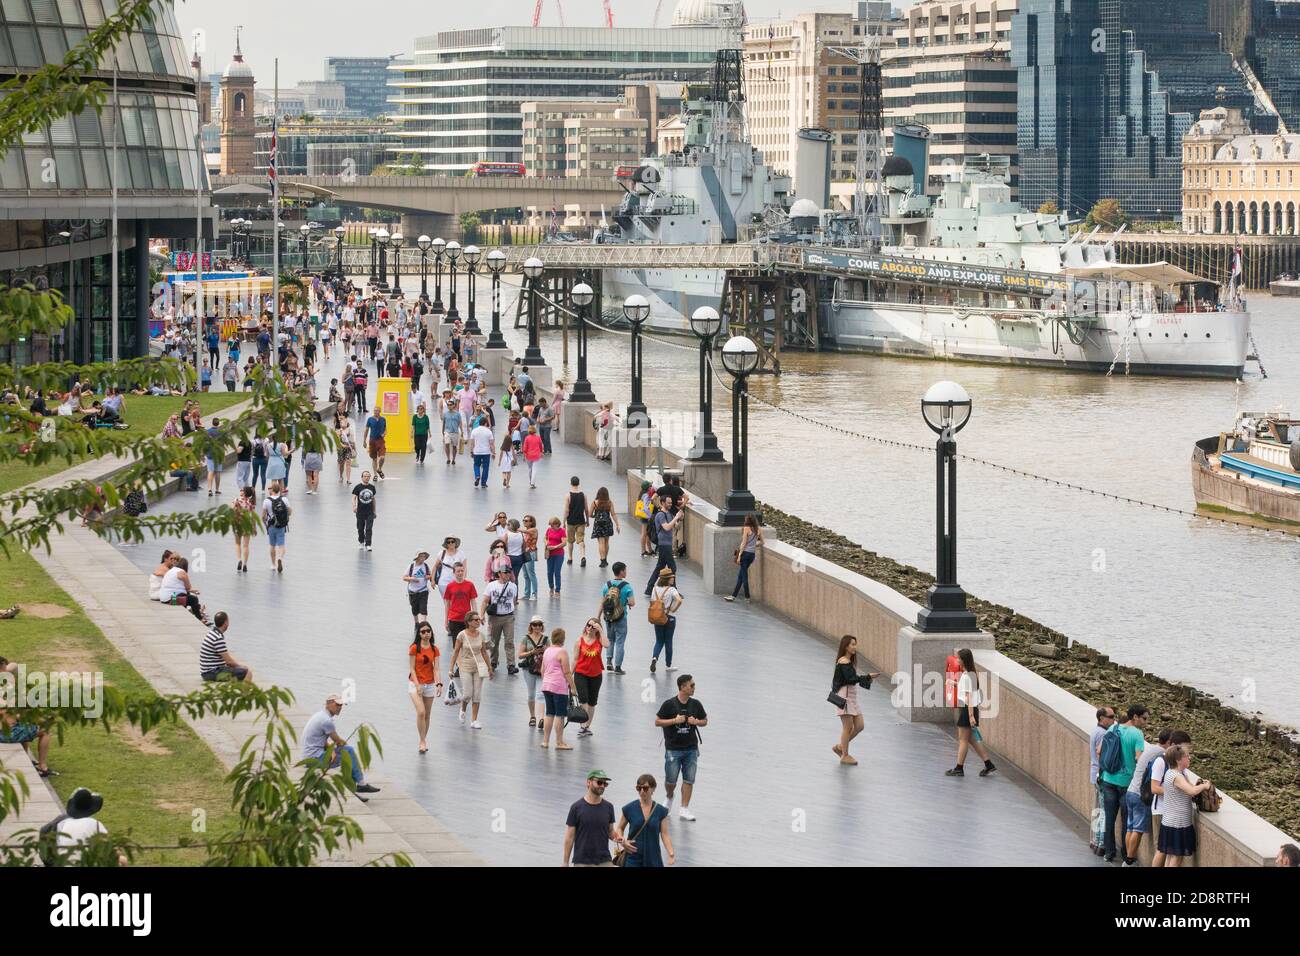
(215, 661)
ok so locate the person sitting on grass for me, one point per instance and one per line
(14, 731)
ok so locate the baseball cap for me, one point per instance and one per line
(598, 775)
(335, 698)
(537, 619)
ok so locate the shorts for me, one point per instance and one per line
(376, 447)
(238, 673)
(20, 734)
(419, 601)
(275, 536)
(577, 532)
(1138, 819)
(454, 628)
(557, 705)
(470, 686)
(588, 688)
(214, 467)
(451, 438)
(963, 716)
(680, 761)
(426, 690)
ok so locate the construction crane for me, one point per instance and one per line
(869, 194)
(654, 22)
(609, 14)
(537, 12)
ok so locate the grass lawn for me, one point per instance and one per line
(151, 784)
(146, 414)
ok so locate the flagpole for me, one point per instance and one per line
(275, 215)
(199, 164)
(116, 322)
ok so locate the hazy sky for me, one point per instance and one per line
(303, 32)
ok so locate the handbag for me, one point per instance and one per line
(577, 714)
(620, 855)
(1209, 801)
(837, 700)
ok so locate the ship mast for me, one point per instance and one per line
(869, 194)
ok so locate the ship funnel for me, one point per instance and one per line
(812, 166)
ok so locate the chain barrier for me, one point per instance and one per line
(912, 446)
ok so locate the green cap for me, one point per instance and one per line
(598, 775)
(645, 485)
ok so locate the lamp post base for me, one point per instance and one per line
(453, 315)
(705, 449)
(495, 340)
(740, 504)
(637, 416)
(945, 611)
(582, 392)
(533, 356)
(435, 308)
(471, 327)
(397, 290)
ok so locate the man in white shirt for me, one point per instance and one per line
(481, 447)
(499, 611)
(79, 827)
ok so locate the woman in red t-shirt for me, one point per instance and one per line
(554, 555)
(588, 671)
(422, 681)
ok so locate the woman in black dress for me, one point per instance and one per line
(604, 523)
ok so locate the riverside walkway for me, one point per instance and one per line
(769, 790)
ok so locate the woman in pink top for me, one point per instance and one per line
(557, 685)
(532, 453)
(554, 555)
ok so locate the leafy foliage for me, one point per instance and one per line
(1108, 214)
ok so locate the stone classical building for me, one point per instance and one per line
(238, 116)
(1235, 183)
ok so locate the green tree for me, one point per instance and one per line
(406, 164)
(1049, 208)
(286, 815)
(470, 223)
(1108, 214)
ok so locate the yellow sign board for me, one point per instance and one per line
(393, 402)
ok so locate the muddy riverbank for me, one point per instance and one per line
(1257, 762)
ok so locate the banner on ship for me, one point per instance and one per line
(944, 273)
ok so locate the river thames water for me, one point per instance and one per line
(1190, 599)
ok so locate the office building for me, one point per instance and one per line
(364, 80)
(1264, 35)
(581, 138)
(950, 70)
(55, 188)
(324, 147)
(802, 72)
(458, 102)
(1236, 182)
(323, 98)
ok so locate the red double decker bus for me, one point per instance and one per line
(499, 169)
(625, 172)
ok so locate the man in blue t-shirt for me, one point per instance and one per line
(376, 429)
(1113, 785)
(614, 613)
(452, 426)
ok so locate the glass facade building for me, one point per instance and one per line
(459, 101)
(1107, 89)
(59, 179)
(364, 80)
(1272, 47)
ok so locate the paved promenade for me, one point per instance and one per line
(769, 790)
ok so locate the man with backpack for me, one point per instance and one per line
(1117, 757)
(275, 515)
(615, 599)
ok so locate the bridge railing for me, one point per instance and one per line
(573, 255)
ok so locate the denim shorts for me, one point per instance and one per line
(275, 536)
(1139, 814)
(557, 705)
(680, 761)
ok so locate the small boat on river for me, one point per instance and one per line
(1252, 471)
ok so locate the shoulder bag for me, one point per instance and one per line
(620, 855)
(1209, 801)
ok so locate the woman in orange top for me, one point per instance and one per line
(422, 681)
(589, 670)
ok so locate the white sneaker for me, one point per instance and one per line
(685, 813)
(671, 798)
(462, 716)
(475, 725)
(670, 667)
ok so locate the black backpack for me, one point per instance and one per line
(48, 841)
(135, 504)
(279, 512)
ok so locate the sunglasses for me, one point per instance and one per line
(601, 783)
(644, 786)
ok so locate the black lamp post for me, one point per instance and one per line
(740, 358)
(637, 309)
(496, 262)
(424, 242)
(472, 255)
(374, 256)
(533, 269)
(397, 240)
(946, 408)
(438, 245)
(381, 240)
(582, 295)
(706, 324)
(339, 233)
(453, 253)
